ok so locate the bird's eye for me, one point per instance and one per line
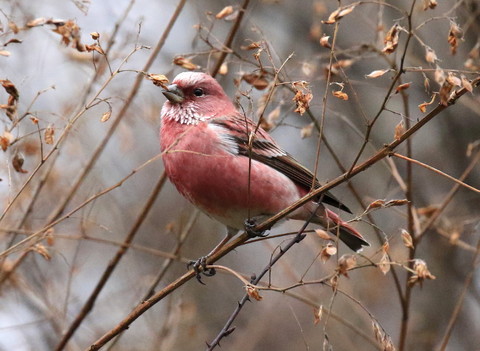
(198, 92)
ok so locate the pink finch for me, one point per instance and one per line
(206, 152)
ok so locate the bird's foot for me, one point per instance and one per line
(200, 267)
(250, 225)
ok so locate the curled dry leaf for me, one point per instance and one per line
(328, 251)
(226, 11)
(423, 107)
(429, 4)
(106, 116)
(322, 234)
(253, 292)
(159, 80)
(384, 264)
(13, 27)
(430, 55)
(185, 63)
(17, 162)
(96, 48)
(391, 39)
(95, 35)
(377, 73)
(324, 41)
(10, 88)
(257, 80)
(407, 239)
(399, 130)
(339, 14)
(445, 92)
(69, 31)
(303, 96)
(421, 273)
(252, 46)
(36, 22)
(345, 263)
(402, 87)
(466, 83)
(376, 204)
(454, 34)
(49, 133)
(340, 94)
(306, 131)
(6, 139)
(13, 41)
(317, 314)
(42, 250)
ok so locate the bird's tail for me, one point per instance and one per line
(351, 237)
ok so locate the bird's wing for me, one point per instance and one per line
(264, 149)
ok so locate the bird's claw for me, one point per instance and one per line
(250, 225)
(200, 267)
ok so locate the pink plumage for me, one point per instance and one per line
(204, 140)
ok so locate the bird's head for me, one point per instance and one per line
(193, 97)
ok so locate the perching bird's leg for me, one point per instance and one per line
(250, 225)
(200, 265)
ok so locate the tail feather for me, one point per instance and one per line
(349, 235)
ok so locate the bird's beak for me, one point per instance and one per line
(174, 94)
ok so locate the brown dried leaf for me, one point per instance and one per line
(4, 143)
(454, 33)
(226, 11)
(327, 252)
(49, 133)
(36, 22)
(340, 94)
(377, 73)
(423, 107)
(322, 234)
(13, 27)
(427, 211)
(399, 130)
(407, 239)
(431, 56)
(396, 202)
(391, 39)
(253, 292)
(159, 80)
(257, 80)
(17, 163)
(306, 131)
(445, 92)
(95, 47)
(95, 35)
(303, 96)
(401, 87)
(42, 250)
(339, 14)
(10, 88)
(421, 273)
(317, 314)
(376, 204)
(324, 41)
(252, 46)
(106, 116)
(429, 4)
(69, 31)
(345, 263)
(185, 63)
(466, 83)
(384, 264)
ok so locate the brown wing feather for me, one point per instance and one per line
(265, 150)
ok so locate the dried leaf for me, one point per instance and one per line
(427, 211)
(13, 26)
(429, 4)
(42, 250)
(324, 41)
(322, 234)
(391, 39)
(106, 116)
(445, 92)
(306, 131)
(345, 263)
(340, 94)
(430, 56)
(95, 35)
(36, 22)
(399, 130)
(5, 53)
(96, 48)
(423, 107)
(328, 251)
(317, 314)
(17, 163)
(257, 80)
(49, 133)
(10, 88)
(454, 33)
(376, 204)
(69, 31)
(466, 83)
(339, 14)
(223, 69)
(252, 46)
(439, 75)
(407, 239)
(185, 63)
(303, 96)
(421, 273)
(227, 10)
(377, 73)
(159, 80)
(253, 292)
(384, 264)
(4, 143)
(401, 87)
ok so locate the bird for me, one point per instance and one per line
(233, 170)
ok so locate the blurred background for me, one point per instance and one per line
(80, 165)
